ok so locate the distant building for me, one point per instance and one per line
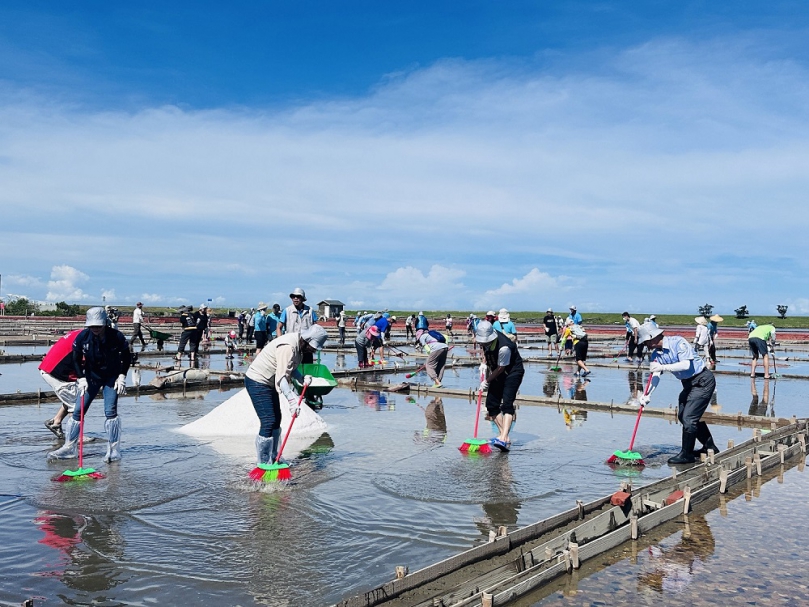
(45, 306)
(330, 308)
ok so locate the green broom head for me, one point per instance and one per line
(80, 474)
(556, 368)
(626, 458)
(271, 473)
(476, 446)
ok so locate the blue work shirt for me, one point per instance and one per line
(676, 349)
(576, 318)
(260, 321)
(272, 322)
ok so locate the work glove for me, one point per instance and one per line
(81, 384)
(656, 367)
(644, 400)
(482, 369)
(294, 409)
(484, 385)
(307, 380)
(120, 385)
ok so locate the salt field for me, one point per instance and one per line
(382, 485)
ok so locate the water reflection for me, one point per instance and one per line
(761, 406)
(550, 386)
(574, 418)
(435, 429)
(671, 570)
(502, 504)
(635, 379)
(89, 547)
(377, 400)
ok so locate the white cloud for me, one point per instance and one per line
(531, 292)
(108, 295)
(409, 287)
(575, 170)
(64, 284)
(16, 280)
(151, 298)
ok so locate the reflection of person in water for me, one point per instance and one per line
(580, 390)
(672, 568)
(435, 430)
(760, 407)
(635, 385)
(502, 507)
(91, 548)
(376, 400)
(574, 417)
(549, 387)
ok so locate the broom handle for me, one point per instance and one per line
(81, 433)
(477, 414)
(289, 429)
(640, 412)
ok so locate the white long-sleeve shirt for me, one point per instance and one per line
(137, 316)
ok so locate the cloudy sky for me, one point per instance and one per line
(445, 155)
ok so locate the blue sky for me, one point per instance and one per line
(458, 155)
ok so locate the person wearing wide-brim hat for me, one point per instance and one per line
(298, 316)
(713, 328)
(702, 339)
(504, 325)
(675, 355)
(503, 372)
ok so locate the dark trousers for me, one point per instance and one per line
(502, 393)
(250, 331)
(694, 399)
(137, 333)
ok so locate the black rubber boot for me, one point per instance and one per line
(686, 454)
(704, 436)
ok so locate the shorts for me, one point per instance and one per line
(261, 339)
(553, 338)
(67, 391)
(502, 393)
(580, 348)
(757, 347)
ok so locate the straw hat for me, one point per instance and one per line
(716, 318)
(262, 306)
(700, 320)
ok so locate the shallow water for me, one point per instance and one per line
(385, 486)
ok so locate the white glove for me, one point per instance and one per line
(644, 400)
(482, 369)
(484, 385)
(656, 367)
(120, 385)
(307, 380)
(81, 384)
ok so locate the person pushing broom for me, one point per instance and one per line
(504, 376)
(674, 354)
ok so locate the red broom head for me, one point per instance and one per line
(269, 473)
(476, 446)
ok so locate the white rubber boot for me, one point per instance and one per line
(68, 450)
(113, 428)
(265, 449)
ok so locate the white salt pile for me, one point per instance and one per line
(233, 426)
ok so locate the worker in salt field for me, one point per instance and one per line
(503, 376)
(341, 327)
(575, 316)
(58, 372)
(241, 319)
(422, 322)
(448, 324)
(260, 326)
(409, 331)
(504, 325)
(750, 324)
(369, 338)
(702, 338)
(713, 329)
(761, 340)
(273, 321)
(434, 344)
(578, 337)
(631, 325)
(551, 332)
(250, 326)
(230, 344)
(101, 359)
(204, 324)
(189, 335)
(137, 323)
(270, 376)
(298, 316)
(674, 354)
(653, 320)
